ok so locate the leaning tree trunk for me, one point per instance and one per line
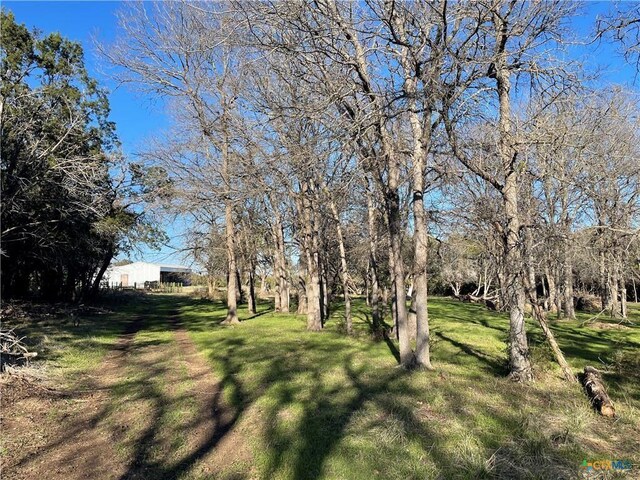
(95, 287)
(541, 317)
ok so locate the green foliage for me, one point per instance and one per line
(63, 215)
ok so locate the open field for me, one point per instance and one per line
(159, 389)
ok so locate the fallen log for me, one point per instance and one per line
(597, 393)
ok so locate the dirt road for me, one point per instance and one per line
(153, 409)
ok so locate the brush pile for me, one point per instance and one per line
(13, 351)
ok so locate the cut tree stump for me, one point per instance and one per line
(594, 386)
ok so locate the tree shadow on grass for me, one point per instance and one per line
(140, 392)
(493, 365)
(324, 406)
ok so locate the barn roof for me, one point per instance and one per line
(163, 267)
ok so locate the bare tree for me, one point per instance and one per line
(187, 55)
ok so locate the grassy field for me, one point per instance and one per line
(326, 406)
(304, 405)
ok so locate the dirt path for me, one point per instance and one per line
(153, 409)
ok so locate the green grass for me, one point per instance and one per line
(320, 405)
(323, 405)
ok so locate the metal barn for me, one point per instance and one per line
(137, 273)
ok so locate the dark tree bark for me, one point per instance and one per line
(597, 393)
(106, 261)
(252, 293)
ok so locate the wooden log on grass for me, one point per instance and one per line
(596, 391)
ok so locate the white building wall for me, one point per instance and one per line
(137, 272)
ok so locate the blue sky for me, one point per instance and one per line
(135, 117)
(138, 117)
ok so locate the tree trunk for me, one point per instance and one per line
(344, 270)
(232, 266)
(593, 385)
(252, 293)
(280, 263)
(412, 324)
(530, 268)
(95, 287)
(487, 287)
(519, 362)
(263, 285)
(569, 310)
(232, 303)
(367, 285)
(211, 286)
(302, 297)
(276, 296)
(613, 289)
(552, 289)
(314, 313)
(392, 291)
(313, 293)
(623, 297)
(545, 294)
(324, 294)
(421, 133)
(239, 291)
(393, 206)
(605, 291)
